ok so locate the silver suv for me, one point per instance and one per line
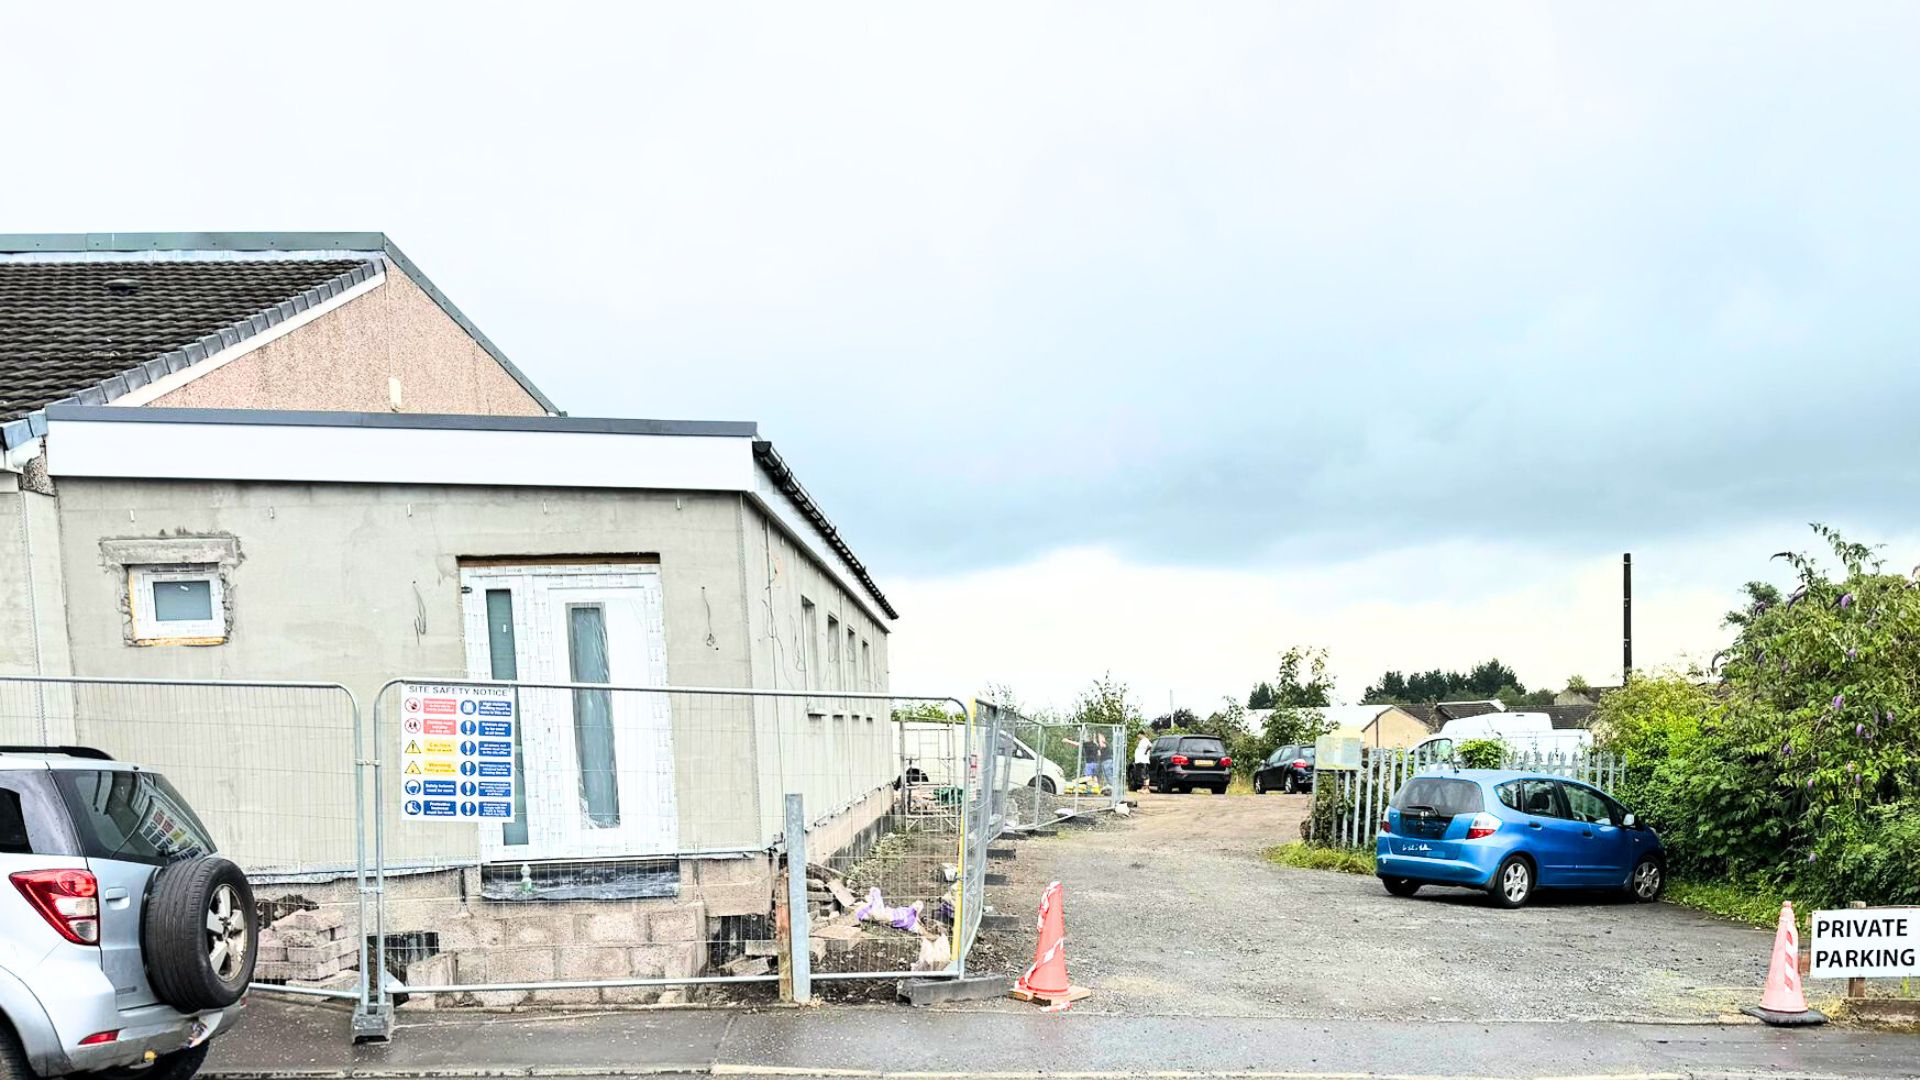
(124, 943)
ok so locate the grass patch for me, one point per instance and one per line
(1749, 904)
(1307, 856)
(1240, 785)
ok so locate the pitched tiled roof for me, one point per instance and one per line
(68, 326)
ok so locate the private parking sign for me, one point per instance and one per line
(447, 731)
(1866, 943)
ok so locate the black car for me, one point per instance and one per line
(1180, 763)
(1287, 769)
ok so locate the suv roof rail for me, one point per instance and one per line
(67, 751)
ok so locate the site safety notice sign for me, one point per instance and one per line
(1866, 943)
(456, 752)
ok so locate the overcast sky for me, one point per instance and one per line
(1151, 337)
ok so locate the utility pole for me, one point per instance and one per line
(1626, 617)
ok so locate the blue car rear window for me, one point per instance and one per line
(1444, 797)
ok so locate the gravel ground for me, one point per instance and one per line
(1174, 912)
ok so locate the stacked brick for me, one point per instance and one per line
(307, 946)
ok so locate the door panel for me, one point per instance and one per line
(1605, 848)
(598, 768)
(1554, 842)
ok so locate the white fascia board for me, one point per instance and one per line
(169, 383)
(787, 517)
(399, 455)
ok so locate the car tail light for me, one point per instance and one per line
(67, 899)
(1386, 825)
(100, 1037)
(1482, 825)
(1301, 763)
(1226, 762)
(1178, 759)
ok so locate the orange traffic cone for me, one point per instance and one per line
(1046, 979)
(1783, 1002)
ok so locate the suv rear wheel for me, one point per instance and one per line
(200, 934)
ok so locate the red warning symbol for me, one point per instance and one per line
(413, 725)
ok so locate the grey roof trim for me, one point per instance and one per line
(789, 485)
(734, 429)
(33, 425)
(11, 243)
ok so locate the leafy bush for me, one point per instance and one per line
(1799, 768)
(1315, 857)
(1481, 753)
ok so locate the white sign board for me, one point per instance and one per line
(1866, 943)
(1337, 750)
(456, 752)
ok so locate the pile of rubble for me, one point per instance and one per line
(855, 933)
(309, 948)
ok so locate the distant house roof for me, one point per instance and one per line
(86, 318)
(1566, 717)
(1435, 715)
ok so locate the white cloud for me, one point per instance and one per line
(1049, 626)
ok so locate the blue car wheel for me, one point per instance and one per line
(1512, 883)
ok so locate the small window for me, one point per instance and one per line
(13, 825)
(177, 605)
(833, 652)
(1585, 804)
(1509, 794)
(853, 658)
(1541, 798)
(866, 666)
(132, 816)
(810, 641)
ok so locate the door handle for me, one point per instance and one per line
(116, 897)
(1586, 832)
(1533, 825)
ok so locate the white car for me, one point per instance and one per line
(934, 753)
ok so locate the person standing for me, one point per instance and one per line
(1142, 757)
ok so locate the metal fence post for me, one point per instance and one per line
(372, 1018)
(799, 930)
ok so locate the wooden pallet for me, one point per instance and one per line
(1073, 994)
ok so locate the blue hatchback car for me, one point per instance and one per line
(1510, 833)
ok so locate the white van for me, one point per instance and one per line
(933, 751)
(1528, 732)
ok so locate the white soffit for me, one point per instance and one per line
(480, 455)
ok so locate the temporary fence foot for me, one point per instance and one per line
(966, 988)
(1003, 922)
(1001, 853)
(372, 1023)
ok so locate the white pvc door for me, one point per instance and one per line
(597, 766)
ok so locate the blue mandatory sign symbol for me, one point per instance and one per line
(469, 789)
(413, 807)
(495, 789)
(468, 809)
(439, 808)
(468, 727)
(496, 729)
(468, 748)
(468, 768)
(466, 707)
(413, 787)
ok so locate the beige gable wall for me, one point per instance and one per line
(341, 362)
(1395, 728)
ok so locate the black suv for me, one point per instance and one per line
(1180, 763)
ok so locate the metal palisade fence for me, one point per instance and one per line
(501, 843)
(1359, 797)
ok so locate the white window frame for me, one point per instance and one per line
(148, 629)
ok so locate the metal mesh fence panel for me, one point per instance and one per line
(268, 769)
(618, 844)
(1060, 770)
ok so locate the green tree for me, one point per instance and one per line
(1800, 768)
(1301, 688)
(1261, 696)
